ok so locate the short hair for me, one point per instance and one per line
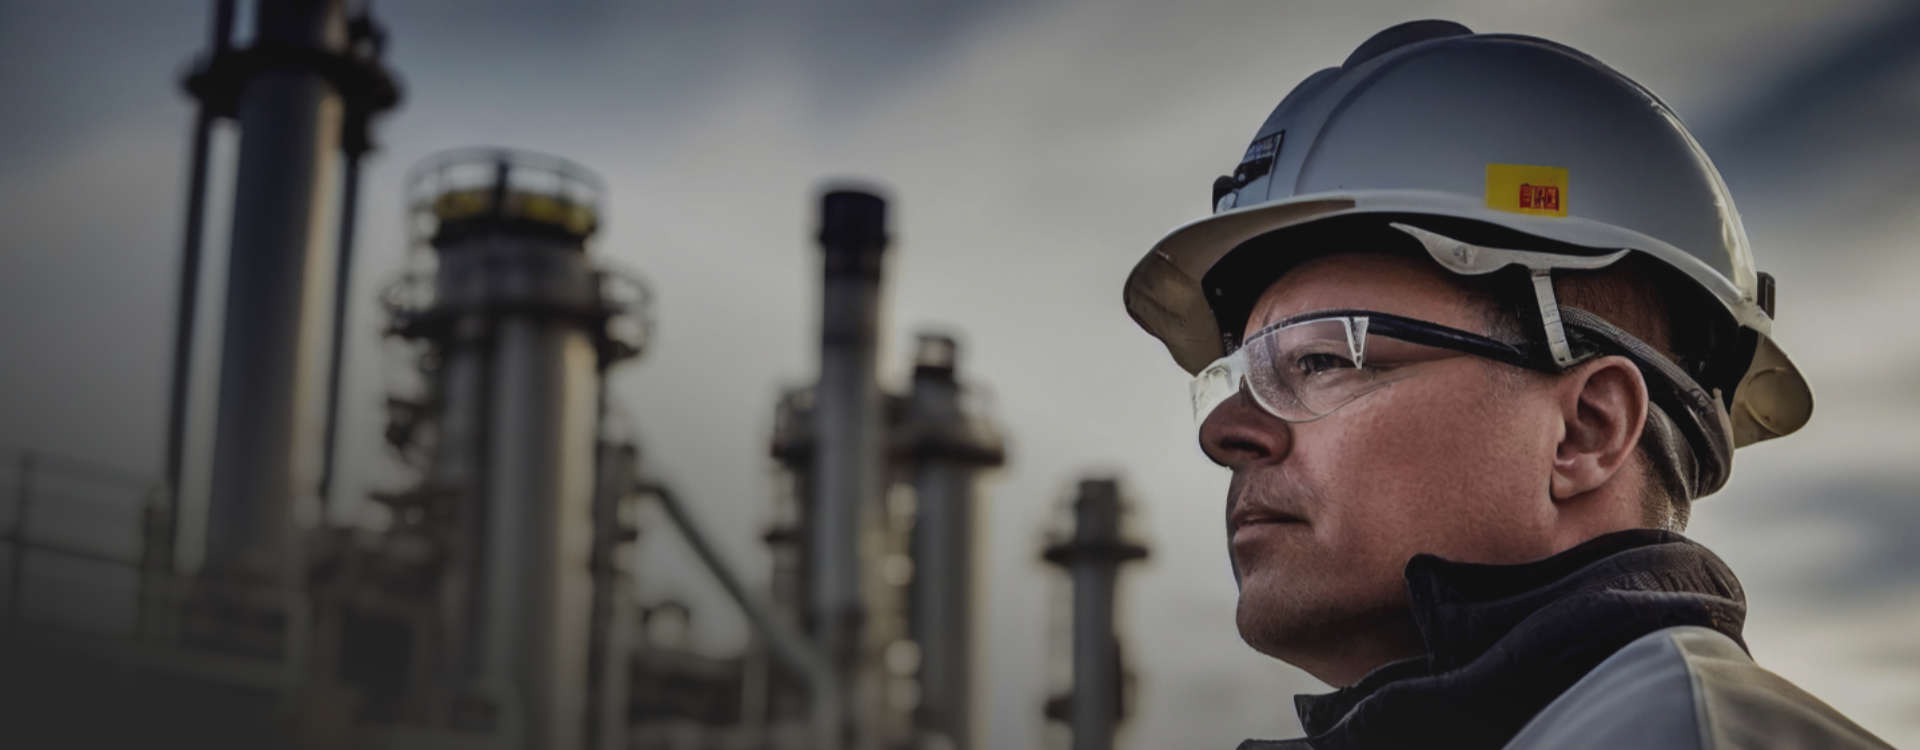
(1645, 298)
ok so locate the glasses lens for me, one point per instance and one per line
(1305, 371)
(1297, 373)
(1215, 384)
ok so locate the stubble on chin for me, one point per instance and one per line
(1276, 619)
(1313, 622)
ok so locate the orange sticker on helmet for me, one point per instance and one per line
(1527, 189)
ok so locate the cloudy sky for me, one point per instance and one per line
(1033, 151)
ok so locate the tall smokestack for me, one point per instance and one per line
(849, 462)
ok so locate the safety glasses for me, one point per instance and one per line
(1305, 367)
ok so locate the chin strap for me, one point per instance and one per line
(1690, 427)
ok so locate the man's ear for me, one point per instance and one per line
(1604, 405)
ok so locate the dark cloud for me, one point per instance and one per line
(1880, 515)
(1835, 132)
(74, 70)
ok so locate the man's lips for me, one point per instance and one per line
(1253, 515)
(1253, 530)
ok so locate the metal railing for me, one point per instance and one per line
(87, 560)
(76, 534)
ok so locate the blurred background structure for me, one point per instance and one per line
(1032, 151)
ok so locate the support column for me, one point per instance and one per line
(290, 123)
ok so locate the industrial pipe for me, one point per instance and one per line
(790, 647)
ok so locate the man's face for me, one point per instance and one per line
(1453, 459)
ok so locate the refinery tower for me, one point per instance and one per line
(496, 607)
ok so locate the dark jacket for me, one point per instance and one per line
(1631, 639)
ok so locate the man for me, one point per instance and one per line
(1473, 324)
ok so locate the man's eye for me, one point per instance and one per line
(1318, 362)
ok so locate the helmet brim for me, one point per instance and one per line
(1166, 296)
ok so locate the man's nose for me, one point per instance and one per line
(1239, 434)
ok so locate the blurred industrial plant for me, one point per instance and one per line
(498, 607)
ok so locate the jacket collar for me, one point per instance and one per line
(1503, 640)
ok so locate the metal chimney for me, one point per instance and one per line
(849, 462)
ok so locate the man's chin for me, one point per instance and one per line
(1279, 620)
(1336, 635)
(1277, 625)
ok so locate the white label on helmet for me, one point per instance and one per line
(1259, 158)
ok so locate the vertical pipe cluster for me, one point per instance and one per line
(887, 593)
(848, 463)
(301, 94)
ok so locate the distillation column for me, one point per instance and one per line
(519, 326)
(945, 447)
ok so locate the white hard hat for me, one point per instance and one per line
(1443, 133)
